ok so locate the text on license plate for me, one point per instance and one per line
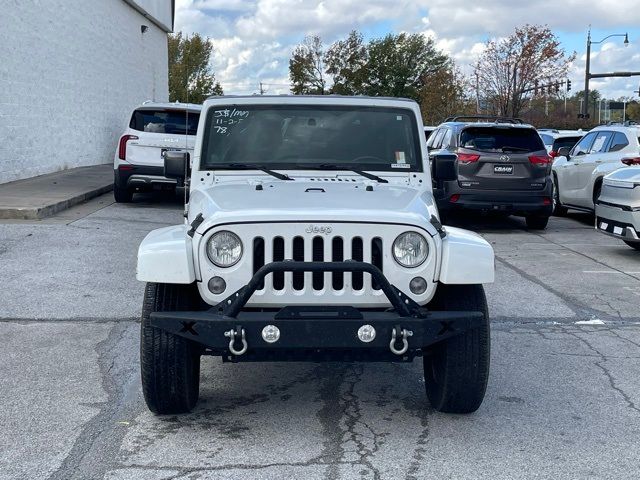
(503, 169)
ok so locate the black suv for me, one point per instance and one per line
(502, 166)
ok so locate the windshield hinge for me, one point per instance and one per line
(436, 223)
(195, 224)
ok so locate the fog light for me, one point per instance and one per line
(271, 334)
(418, 285)
(366, 333)
(217, 285)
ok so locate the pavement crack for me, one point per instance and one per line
(601, 365)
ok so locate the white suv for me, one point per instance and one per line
(312, 234)
(578, 172)
(154, 129)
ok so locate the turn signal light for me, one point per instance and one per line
(540, 159)
(468, 157)
(631, 161)
(122, 146)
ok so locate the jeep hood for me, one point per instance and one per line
(311, 200)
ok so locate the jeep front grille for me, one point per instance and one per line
(317, 249)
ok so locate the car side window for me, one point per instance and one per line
(600, 142)
(431, 138)
(446, 141)
(583, 146)
(437, 142)
(619, 142)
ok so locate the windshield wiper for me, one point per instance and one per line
(331, 166)
(514, 149)
(253, 166)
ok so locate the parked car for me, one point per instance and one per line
(293, 200)
(578, 172)
(554, 140)
(428, 130)
(502, 166)
(618, 207)
(154, 128)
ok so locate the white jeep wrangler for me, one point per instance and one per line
(312, 234)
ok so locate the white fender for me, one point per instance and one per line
(467, 258)
(166, 256)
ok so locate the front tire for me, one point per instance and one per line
(456, 370)
(558, 209)
(169, 364)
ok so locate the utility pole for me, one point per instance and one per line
(585, 111)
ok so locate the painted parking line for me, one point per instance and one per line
(610, 271)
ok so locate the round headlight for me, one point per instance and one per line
(224, 249)
(410, 249)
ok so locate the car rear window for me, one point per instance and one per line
(547, 139)
(499, 139)
(565, 142)
(165, 121)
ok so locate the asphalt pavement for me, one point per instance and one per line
(563, 399)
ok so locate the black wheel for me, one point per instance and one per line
(456, 370)
(169, 364)
(122, 194)
(558, 209)
(536, 222)
(635, 245)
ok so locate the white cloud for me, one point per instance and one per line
(254, 38)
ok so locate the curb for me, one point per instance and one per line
(38, 213)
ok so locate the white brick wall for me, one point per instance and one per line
(70, 73)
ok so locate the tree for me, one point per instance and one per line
(191, 77)
(508, 66)
(347, 62)
(306, 67)
(445, 93)
(399, 64)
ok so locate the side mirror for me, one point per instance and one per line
(564, 152)
(444, 167)
(175, 165)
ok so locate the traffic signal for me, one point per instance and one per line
(568, 85)
(557, 87)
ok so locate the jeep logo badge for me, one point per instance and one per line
(504, 158)
(318, 229)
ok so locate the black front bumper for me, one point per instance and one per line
(316, 332)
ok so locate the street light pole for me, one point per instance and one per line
(587, 73)
(585, 104)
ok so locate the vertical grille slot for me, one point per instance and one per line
(337, 256)
(278, 256)
(318, 256)
(357, 255)
(258, 257)
(376, 259)
(298, 255)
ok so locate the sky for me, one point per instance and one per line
(253, 39)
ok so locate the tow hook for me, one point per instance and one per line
(403, 333)
(236, 334)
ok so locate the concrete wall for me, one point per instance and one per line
(70, 73)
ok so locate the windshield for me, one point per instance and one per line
(501, 139)
(165, 121)
(298, 137)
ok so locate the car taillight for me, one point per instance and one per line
(454, 198)
(468, 157)
(553, 154)
(122, 147)
(539, 159)
(631, 161)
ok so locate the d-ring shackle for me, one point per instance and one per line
(405, 344)
(232, 334)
